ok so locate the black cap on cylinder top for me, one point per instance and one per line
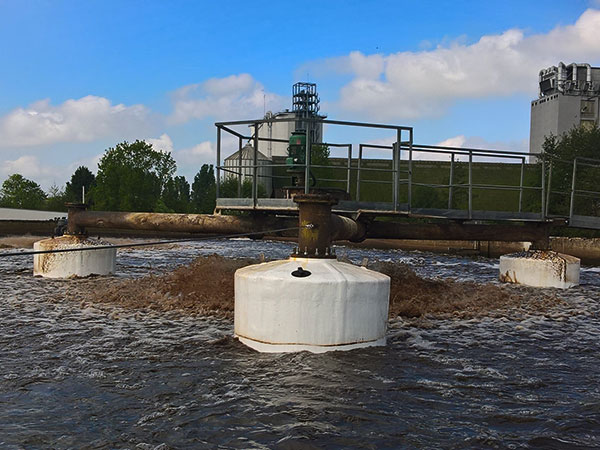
(314, 236)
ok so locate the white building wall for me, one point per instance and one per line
(283, 131)
(276, 130)
(555, 114)
(264, 172)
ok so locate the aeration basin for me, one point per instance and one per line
(311, 304)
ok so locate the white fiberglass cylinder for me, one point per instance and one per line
(73, 264)
(338, 306)
(540, 269)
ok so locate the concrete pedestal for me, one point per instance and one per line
(73, 264)
(338, 306)
(540, 269)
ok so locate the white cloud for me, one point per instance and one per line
(460, 141)
(409, 85)
(204, 152)
(30, 167)
(234, 97)
(477, 142)
(163, 143)
(76, 120)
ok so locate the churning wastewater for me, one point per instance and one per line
(76, 373)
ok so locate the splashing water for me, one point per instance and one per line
(74, 375)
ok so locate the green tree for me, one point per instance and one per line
(176, 195)
(19, 192)
(560, 152)
(81, 178)
(55, 199)
(229, 188)
(132, 177)
(204, 190)
(319, 155)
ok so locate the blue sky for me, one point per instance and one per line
(78, 77)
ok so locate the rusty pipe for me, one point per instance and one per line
(183, 223)
(530, 232)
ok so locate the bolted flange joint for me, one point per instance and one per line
(73, 209)
(316, 229)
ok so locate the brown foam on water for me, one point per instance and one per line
(205, 287)
(413, 296)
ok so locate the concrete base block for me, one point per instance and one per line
(73, 264)
(540, 269)
(337, 306)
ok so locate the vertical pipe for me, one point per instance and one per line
(218, 184)
(255, 167)
(521, 184)
(348, 174)
(240, 168)
(572, 205)
(543, 189)
(395, 175)
(410, 142)
(359, 163)
(307, 160)
(470, 184)
(397, 167)
(549, 189)
(451, 182)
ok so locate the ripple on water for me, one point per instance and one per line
(97, 376)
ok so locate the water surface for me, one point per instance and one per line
(75, 376)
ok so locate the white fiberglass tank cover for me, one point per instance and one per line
(80, 263)
(338, 306)
(540, 269)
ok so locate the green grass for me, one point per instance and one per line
(376, 186)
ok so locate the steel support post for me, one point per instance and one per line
(349, 170)
(307, 160)
(396, 167)
(572, 205)
(543, 190)
(521, 184)
(218, 183)
(549, 189)
(470, 185)
(255, 167)
(395, 175)
(451, 181)
(358, 165)
(410, 155)
(241, 170)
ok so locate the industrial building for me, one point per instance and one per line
(568, 97)
(305, 103)
(274, 135)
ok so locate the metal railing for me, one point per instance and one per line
(576, 197)
(307, 166)
(535, 182)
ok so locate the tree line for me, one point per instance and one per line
(130, 177)
(135, 177)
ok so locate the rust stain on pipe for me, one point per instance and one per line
(185, 223)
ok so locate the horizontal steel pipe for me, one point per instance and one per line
(183, 223)
(343, 227)
(536, 233)
(346, 229)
